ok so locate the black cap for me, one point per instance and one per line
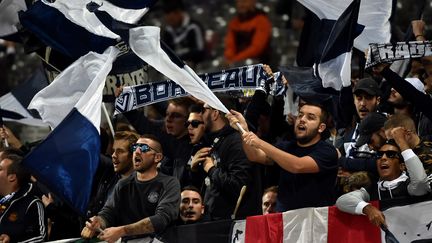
(369, 86)
(373, 122)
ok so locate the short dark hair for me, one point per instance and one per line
(191, 188)
(196, 108)
(155, 139)
(273, 189)
(16, 167)
(400, 120)
(324, 113)
(129, 136)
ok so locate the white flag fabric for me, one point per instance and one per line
(411, 222)
(145, 42)
(78, 14)
(374, 15)
(56, 100)
(9, 15)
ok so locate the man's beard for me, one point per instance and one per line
(306, 139)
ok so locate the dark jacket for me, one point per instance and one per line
(232, 171)
(23, 218)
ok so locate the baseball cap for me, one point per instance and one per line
(416, 83)
(369, 86)
(373, 122)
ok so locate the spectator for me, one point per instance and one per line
(248, 34)
(227, 169)
(367, 96)
(191, 205)
(22, 213)
(121, 167)
(401, 128)
(173, 135)
(183, 34)
(144, 203)
(269, 200)
(309, 164)
(394, 184)
(371, 131)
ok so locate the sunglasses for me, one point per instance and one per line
(193, 123)
(143, 147)
(389, 153)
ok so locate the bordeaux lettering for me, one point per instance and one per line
(144, 94)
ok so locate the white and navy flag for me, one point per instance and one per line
(67, 159)
(14, 104)
(71, 27)
(374, 15)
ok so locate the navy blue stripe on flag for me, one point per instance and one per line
(56, 31)
(140, 4)
(67, 159)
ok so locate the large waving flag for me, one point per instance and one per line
(409, 223)
(68, 158)
(145, 42)
(52, 27)
(14, 104)
(334, 63)
(374, 15)
(72, 28)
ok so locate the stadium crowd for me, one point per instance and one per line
(184, 162)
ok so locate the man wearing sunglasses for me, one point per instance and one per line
(393, 187)
(144, 203)
(173, 135)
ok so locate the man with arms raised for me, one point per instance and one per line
(309, 164)
(143, 203)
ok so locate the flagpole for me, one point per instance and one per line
(5, 141)
(104, 109)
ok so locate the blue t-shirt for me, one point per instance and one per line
(308, 189)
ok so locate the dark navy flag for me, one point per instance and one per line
(14, 104)
(140, 4)
(67, 159)
(58, 32)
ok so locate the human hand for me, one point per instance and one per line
(400, 134)
(47, 199)
(92, 226)
(112, 234)
(418, 27)
(4, 238)
(291, 118)
(376, 217)
(235, 118)
(377, 69)
(251, 139)
(118, 91)
(268, 70)
(199, 158)
(7, 134)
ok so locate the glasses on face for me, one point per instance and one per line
(143, 147)
(193, 123)
(389, 154)
(174, 115)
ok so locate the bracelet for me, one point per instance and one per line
(418, 36)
